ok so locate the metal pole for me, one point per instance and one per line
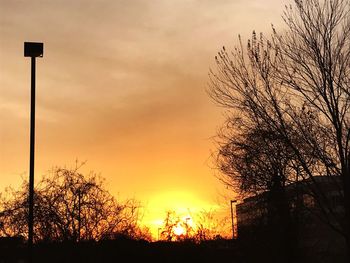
(31, 162)
(187, 228)
(32, 50)
(232, 220)
(233, 231)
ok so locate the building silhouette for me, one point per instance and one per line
(315, 214)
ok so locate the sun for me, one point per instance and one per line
(182, 202)
(183, 226)
(179, 230)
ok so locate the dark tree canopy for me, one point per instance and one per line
(288, 102)
(69, 206)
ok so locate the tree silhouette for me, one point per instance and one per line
(252, 159)
(210, 226)
(201, 226)
(297, 86)
(171, 221)
(69, 207)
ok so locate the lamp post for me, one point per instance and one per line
(159, 233)
(32, 50)
(232, 219)
(187, 227)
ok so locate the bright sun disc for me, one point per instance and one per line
(179, 230)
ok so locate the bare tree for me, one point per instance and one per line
(209, 225)
(202, 226)
(298, 85)
(171, 222)
(252, 160)
(69, 206)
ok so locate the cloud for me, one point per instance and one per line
(121, 81)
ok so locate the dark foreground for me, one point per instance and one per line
(125, 250)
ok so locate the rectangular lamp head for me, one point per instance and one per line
(33, 49)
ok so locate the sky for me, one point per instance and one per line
(122, 86)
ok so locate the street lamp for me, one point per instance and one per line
(32, 50)
(159, 228)
(187, 227)
(233, 224)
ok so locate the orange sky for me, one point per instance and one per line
(121, 85)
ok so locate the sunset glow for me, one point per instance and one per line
(122, 85)
(182, 203)
(174, 131)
